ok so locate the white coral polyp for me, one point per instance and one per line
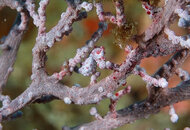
(67, 100)
(93, 111)
(100, 89)
(174, 118)
(87, 6)
(163, 83)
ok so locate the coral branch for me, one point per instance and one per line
(119, 19)
(120, 16)
(166, 13)
(141, 109)
(177, 39)
(10, 47)
(150, 80)
(174, 116)
(85, 50)
(153, 42)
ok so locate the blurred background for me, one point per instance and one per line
(54, 115)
